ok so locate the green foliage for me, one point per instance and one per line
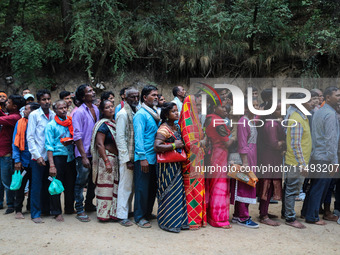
(27, 54)
(171, 39)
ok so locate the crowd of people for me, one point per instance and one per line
(147, 147)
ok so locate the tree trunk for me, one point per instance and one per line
(66, 14)
(251, 40)
(11, 14)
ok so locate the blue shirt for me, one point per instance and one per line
(325, 134)
(145, 129)
(118, 108)
(20, 156)
(53, 133)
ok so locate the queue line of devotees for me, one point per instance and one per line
(147, 151)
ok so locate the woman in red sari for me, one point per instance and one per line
(217, 183)
(193, 136)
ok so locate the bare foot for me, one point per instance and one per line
(272, 216)
(38, 220)
(59, 218)
(330, 217)
(227, 226)
(296, 224)
(319, 222)
(19, 216)
(266, 220)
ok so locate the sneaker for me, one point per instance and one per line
(235, 219)
(248, 223)
(336, 212)
(302, 196)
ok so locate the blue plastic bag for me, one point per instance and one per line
(16, 180)
(56, 187)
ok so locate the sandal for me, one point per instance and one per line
(83, 218)
(125, 223)
(143, 223)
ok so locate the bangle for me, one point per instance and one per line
(106, 160)
(173, 146)
(52, 165)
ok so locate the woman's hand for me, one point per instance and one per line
(108, 167)
(179, 144)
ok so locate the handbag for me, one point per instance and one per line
(246, 176)
(16, 180)
(171, 156)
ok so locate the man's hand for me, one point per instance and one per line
(17, 166)
(303, 171)
(130, 165)
(41, 161)
(86, 162)
(145, 165)
(53, 171)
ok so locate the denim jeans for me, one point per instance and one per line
(6, 167)
(2, 193)
(292, 185)
(40, 197)
(315, 195)
(84, 175)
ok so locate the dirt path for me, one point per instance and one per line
(73, 237)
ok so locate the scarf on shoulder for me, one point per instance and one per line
(19, 140)
(94, 150)
(152, 111)
(65, 123)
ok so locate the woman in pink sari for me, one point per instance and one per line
(217, 183)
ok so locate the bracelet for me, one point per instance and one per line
(173, 146)
(52, 165)
(106, 160)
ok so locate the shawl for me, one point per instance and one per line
(192, 134)
(19, 140)
(94, 151)
(152, 111)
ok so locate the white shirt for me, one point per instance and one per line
(37, 122)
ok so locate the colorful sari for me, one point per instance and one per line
(217, 183)
(194, 186)
(106, 183)
(172, 209)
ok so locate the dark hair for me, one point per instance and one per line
(76, 102)
(102, 105)
(254, 88)
(25, 89)
(146, 91)
(175, 91)
(64, 94)
(33, 106)
(17, 100)
(230, 96)
(106, 95)
(228, 108)
(80, 92)
(42, 92)
(159, 96)
(122, 91)
(329, 91)
(314, 94)
(266, 94)
(166, 108)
